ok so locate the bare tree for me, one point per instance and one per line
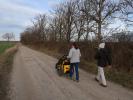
(58, 22)
(79, 19)
(68, 19)
(79, 22)
(39, 26)
(128, 12)
(53, 29)
(100, 12)
(8, 36)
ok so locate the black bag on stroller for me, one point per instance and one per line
(63, 66)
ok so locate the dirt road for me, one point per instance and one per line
(34, 78)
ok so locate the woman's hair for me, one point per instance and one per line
(75, 45)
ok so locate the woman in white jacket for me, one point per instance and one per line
(74, 56)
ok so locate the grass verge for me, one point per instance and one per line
(6, 60)
(4, 46)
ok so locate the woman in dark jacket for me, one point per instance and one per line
(103, 58)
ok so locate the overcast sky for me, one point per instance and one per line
(16, 15)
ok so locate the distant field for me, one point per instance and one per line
(4, 46)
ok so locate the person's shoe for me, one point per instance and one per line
(96, 79)
(103, 85)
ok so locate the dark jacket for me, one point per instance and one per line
(103, 57)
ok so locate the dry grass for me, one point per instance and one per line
(6, 60)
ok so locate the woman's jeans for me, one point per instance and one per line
(72, 66)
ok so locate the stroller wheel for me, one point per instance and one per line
(60, 73)
(56, 66)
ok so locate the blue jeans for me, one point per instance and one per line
(76, 65)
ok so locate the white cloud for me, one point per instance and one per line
(16, 17)
(8, 7)
(53, 3)
(118, 23)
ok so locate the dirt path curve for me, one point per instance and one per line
(34, 78)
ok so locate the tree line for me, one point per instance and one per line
(79, 20)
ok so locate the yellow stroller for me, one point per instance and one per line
(63, 66)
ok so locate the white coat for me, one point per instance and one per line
(74, 55)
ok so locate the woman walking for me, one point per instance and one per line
(74, 56)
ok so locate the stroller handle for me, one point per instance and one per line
(65, 56)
